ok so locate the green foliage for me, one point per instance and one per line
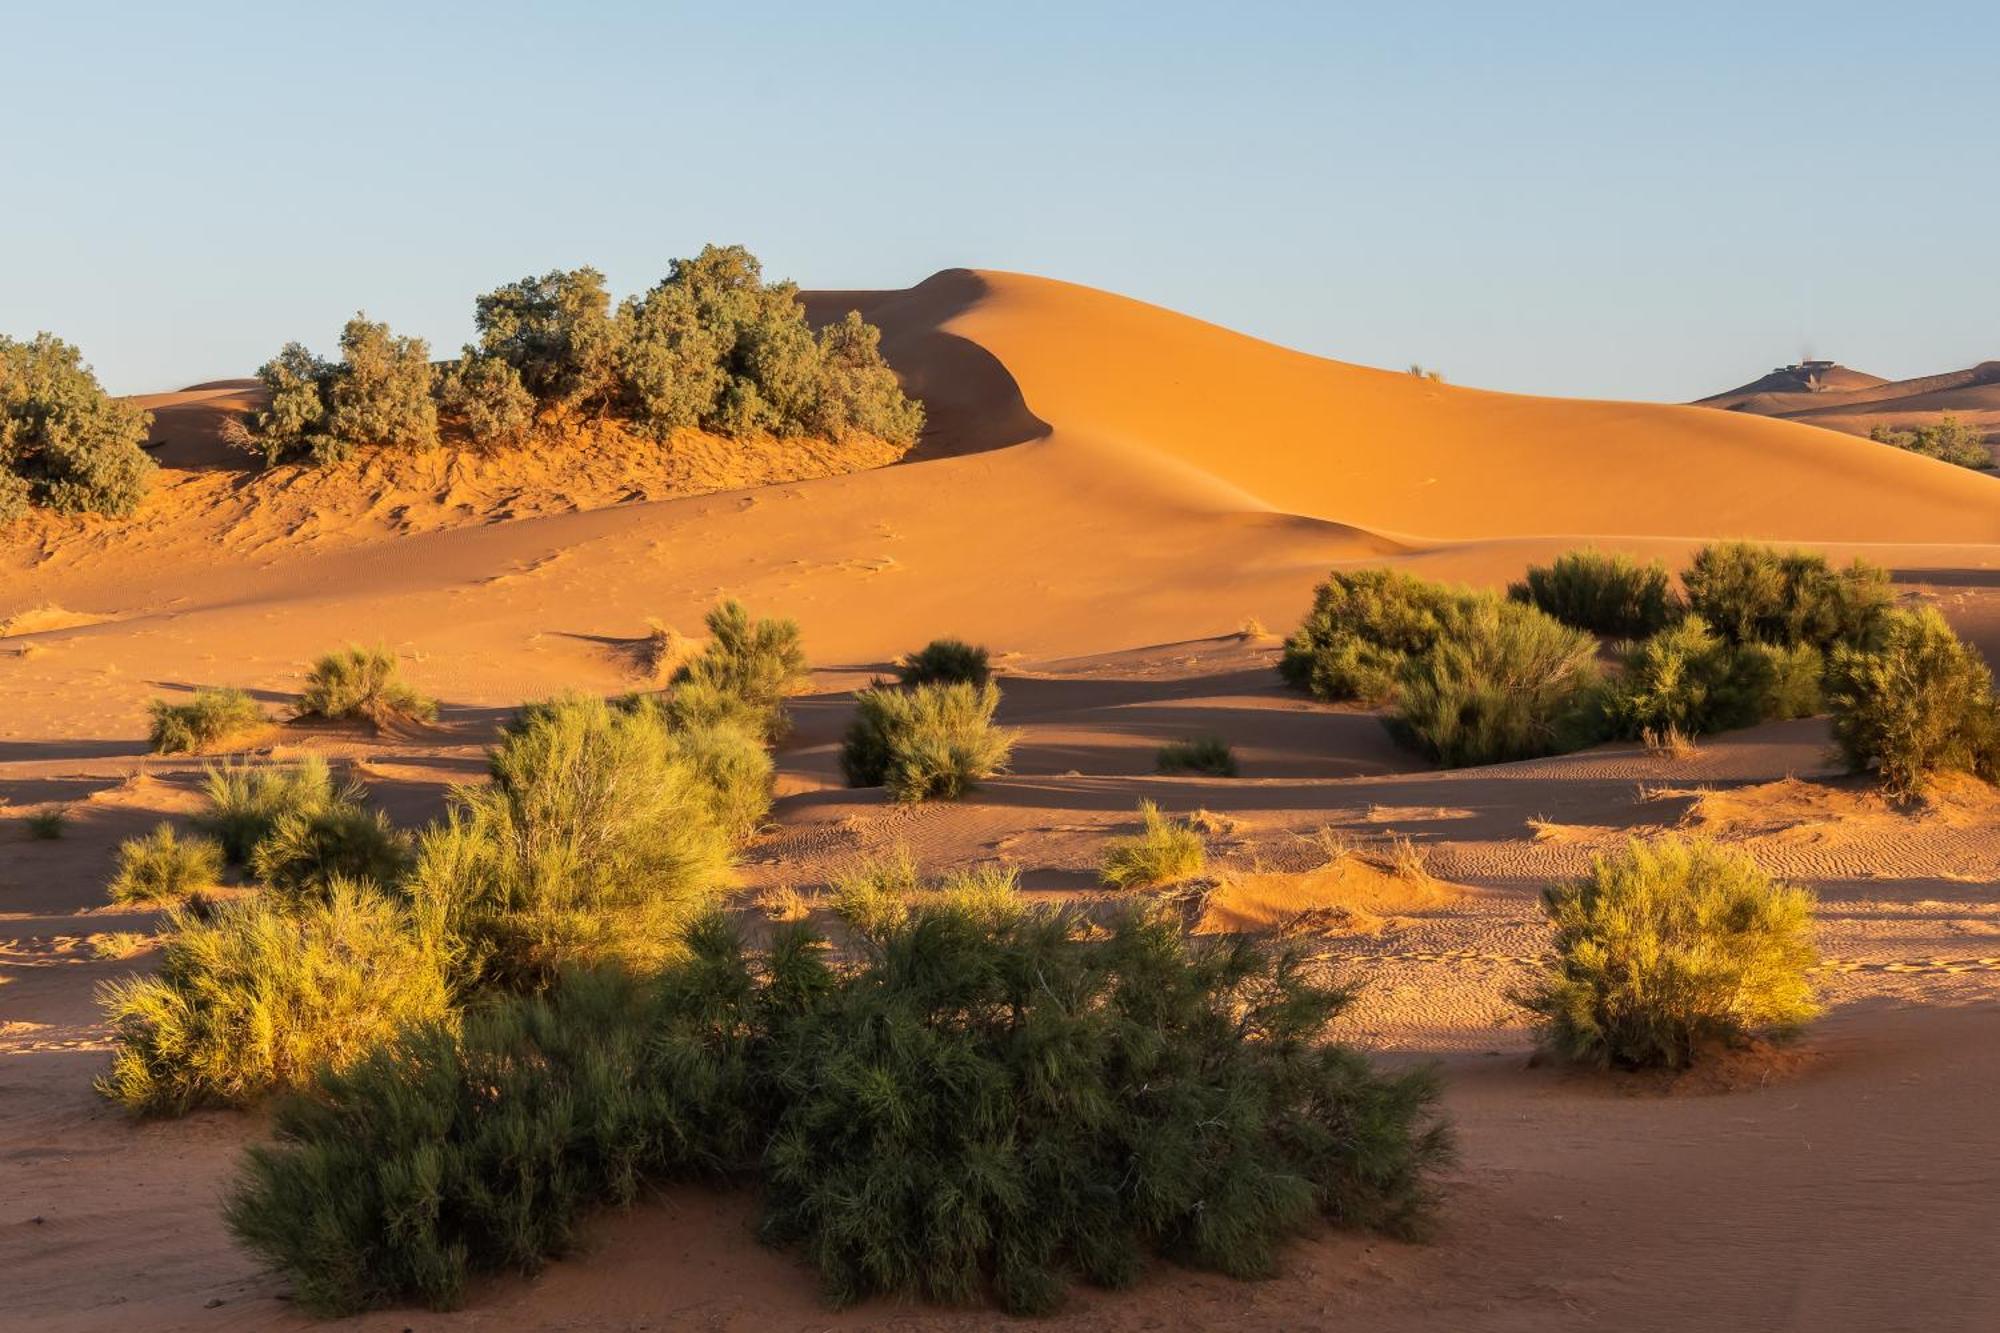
(1165, 850)
(1947, 438)
(65, 444)
(245, 801)
(752, 665)
(361, 683)
(1505, 682)
(1796, 675)
(1201, 754)
(942, 661)
(1611, 595)
(1760, 594)
(485, 395)
(307, 852)
(1916, 704)
(595, 842)
(735, 772)
(47, 825)
(1690, 679)
(1364, 624)
(557, 333)
(252, 997)
(857, 392)
(990, 1101)
(1668, 947)
(209, 716)
(379, 392)
(382, 392)
(163, 866)
(932, 742)
(439, 1156)
(874, 896)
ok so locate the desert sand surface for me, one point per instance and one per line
(1833, 396)
(1127, 505)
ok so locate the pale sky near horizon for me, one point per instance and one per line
(1601, 199)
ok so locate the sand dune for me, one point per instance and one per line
(1105, 492)
(1822, 394)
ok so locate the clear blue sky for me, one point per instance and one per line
(1649, 201)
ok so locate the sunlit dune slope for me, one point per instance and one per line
(1393, 453)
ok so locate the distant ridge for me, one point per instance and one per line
(1828, 394)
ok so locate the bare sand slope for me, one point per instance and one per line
(1852, 401)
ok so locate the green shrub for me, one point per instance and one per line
(1760, 594)
(874, 896)
(857, 392)
(1796, 676)
(65, 444)
(295, 421)
(1201, 754)
(1506, 682)
(245, 801)
(990, 1101)
(594, 842)
(735, 772)
(361, 683)
(1668, 947)
(1613, 596)
(207, 717)
(485, 395)
(992, 1105)
(1362, 627)
(1163, 851)
(933, 742)
(438, 1156)
(755, 664)
(163, 865)
(382, 392)
(558, 335)
(1947, 438)
(48, 825)
(252, 997)
(307, 852)
(1690, 679)
(944, 661)
(1919, 703)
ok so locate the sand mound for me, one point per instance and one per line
(1820, 393)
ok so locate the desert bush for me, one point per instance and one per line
(943, 661)
(735, 772)
(1506, 682)
(1201, 754)
(1362, 627)
(930, 742)
(362, 683)
(65, 444)
(1163, 851)
(1948, 439)
(557, 334)
(47, 825)
(1145, 1093)
(857, 392)
(486, 396)
(307, 852)
(381, 393)
(1669, 947)
(594, 842)
(207, 717)
(1689, 679)
(990, 1100)
(1760, 594)
(1611, 595)
(252, 996)
(295, 421)
(1796, 675)
(754, 664)
(246, 801)
(1916, 704)
(874, 896)
(162, 865)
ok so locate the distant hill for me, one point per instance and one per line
(1825, 393)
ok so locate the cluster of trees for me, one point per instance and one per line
(1947, 438)
(712, 347)
(1755, 633)
(65, 444)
